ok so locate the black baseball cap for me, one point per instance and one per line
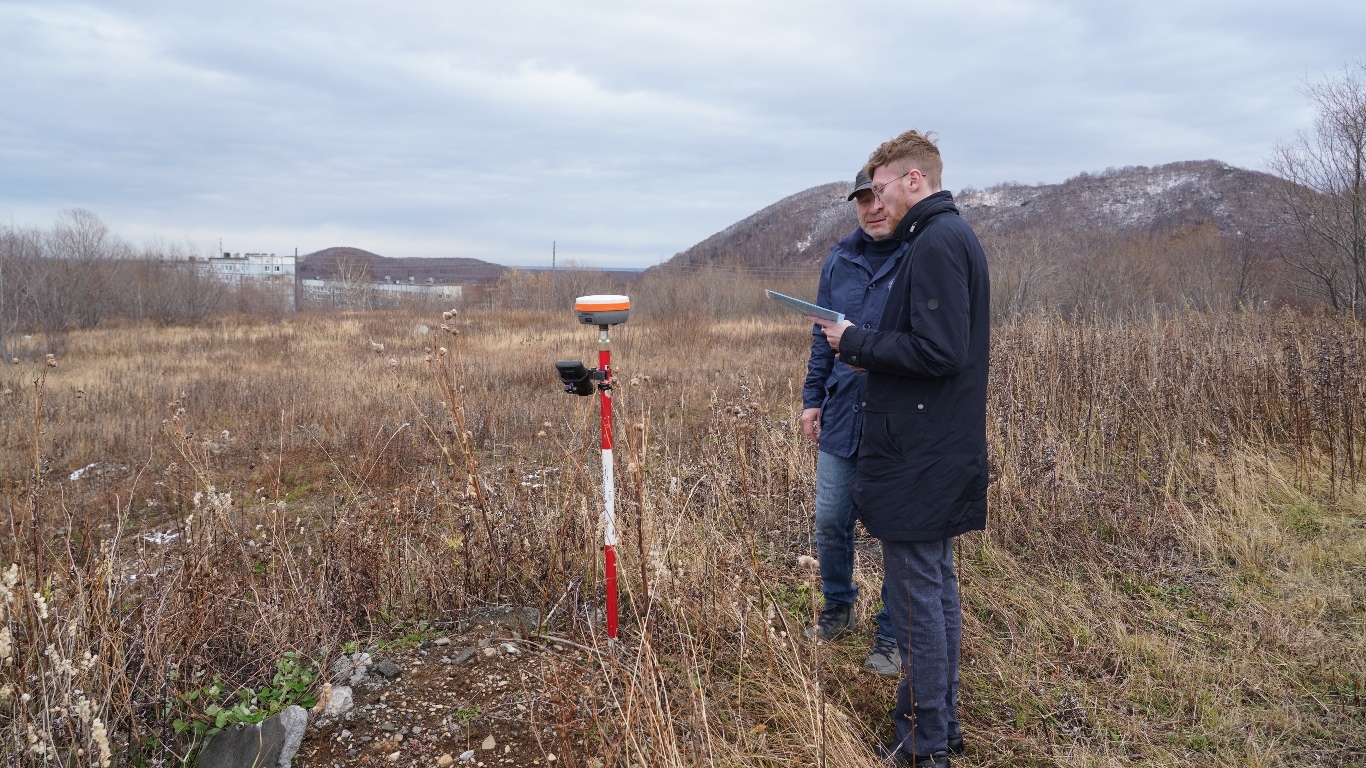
(861, 182)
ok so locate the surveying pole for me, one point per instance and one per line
(602, 311)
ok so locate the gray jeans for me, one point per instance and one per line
(921, 590)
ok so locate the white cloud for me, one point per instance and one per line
(625, 131)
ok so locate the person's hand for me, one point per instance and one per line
(833, 330)
(811, 423)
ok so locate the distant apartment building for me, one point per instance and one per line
(237, 268)
(342, 285)
(371, 294)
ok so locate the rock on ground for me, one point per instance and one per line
(340, 703)
(352, 668)
(273, 741)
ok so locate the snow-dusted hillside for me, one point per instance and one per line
(1129, 199)
(796, 232)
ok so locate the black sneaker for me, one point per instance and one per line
(834, 621)
(885, 658)
(956, 744)
(889, 753)
(937, 760)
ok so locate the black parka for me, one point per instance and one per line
(922, 459)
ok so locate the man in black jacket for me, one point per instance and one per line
(922, 468)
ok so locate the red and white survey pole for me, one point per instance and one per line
(602, 311)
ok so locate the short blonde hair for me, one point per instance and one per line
(911, 149)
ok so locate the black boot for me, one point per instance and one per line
(834, 621)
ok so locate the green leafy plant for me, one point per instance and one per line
(464, 715)
(411, 633)
(292, 684)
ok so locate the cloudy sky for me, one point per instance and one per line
(626, 131)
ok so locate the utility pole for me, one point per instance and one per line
(296, 279)
(552, 255)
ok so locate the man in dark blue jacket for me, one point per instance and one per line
(854, 281)
(922, 466)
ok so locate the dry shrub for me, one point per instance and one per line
(1174, 572)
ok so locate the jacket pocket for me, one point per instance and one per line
(879, 439)
(904, 430)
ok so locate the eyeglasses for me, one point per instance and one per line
(878, 188)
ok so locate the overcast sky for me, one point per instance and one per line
(626, 131)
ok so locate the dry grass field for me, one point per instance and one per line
(1174, 572)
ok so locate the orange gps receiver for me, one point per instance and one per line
(602, 310)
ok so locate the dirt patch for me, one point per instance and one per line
(481, 694)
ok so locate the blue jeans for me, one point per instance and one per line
(835, 534)
(928, 622)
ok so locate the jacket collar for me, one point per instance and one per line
(922, 212)
(853, 247)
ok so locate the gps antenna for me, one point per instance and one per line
(602, 311)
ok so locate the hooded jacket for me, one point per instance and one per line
(922, 469)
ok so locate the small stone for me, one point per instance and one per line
(464, 655)
(352, 668)
(550, 758)
(341, 702)
(417, 729)
(489, 743)
(467, 756)
(388, 669)
(445, 760)
(442, 641)
(490, 651)
(393, 757)
(344, 735)
(510, 648)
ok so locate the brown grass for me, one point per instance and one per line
(1175, 571)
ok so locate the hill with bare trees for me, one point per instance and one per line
(1187, 234)
(793, 234)
(796, 232)
(1128, 200)
(344, 261)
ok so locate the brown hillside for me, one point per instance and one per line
(790, 235)
(329, 262)
(795, 233)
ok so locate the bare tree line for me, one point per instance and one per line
(1093, 272)
(78, 274)
(1324, 191)
(1121, 275)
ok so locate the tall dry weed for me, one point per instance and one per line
(1174, 573)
